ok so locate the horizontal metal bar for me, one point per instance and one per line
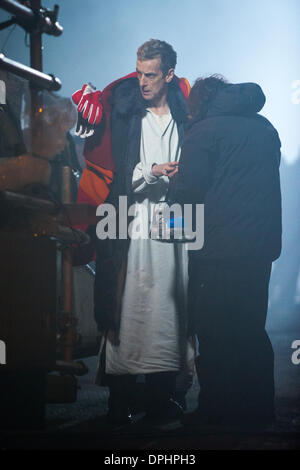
(40, 79)
(16, 8)
(70, 235)
(18, 199)
(58, 231)
(7, 24)
(43, 19)
(77, 368)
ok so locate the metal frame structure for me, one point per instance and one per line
(37, 20)
(40, 79)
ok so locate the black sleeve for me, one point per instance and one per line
(195, 171)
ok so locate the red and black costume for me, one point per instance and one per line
(111, 155)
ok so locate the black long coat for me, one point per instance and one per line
(230, 162)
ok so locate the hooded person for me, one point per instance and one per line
(230, 163)
(136, 127)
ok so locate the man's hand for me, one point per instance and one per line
(113, 337)
(165, 169)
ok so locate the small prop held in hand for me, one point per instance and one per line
(166, 227)
(90, 110)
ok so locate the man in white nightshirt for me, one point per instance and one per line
(151, 338)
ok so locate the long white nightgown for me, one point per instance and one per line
(156, 271)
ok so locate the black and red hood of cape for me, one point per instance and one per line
(98, 151)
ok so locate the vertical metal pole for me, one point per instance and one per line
(69, 336)
(36, 62)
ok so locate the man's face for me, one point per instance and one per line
(153, 84)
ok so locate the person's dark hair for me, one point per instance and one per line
(155, 48)
(203, 92)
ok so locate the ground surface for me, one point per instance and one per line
(81, 425)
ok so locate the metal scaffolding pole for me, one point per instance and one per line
(34, 17)
(40, 79)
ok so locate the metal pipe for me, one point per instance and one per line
(70, 235)
(67, 253)
(40, 79)
(36, 62)
(7, 24)
(68, 214)
(17, 199)
(76, 368)
(60, 232)
(15, 8)
(70, 334)
(36, 18)
(66, 193)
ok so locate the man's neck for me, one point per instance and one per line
(160, 106)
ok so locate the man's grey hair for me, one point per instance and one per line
(155, 48)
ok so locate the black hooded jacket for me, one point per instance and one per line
(230, 162)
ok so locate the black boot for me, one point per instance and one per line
(160, 406)
(120, 393)
(184, 382)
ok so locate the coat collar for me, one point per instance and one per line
(127, 100)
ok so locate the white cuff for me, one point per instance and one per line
(150, 178)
